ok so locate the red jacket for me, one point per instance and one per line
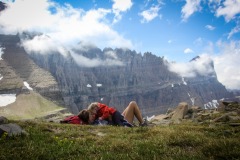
(72, 120)
(104, 111)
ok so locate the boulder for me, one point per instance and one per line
(3, 120)
(225, 117)
(180, 111)
(229, 106)
(160, 117)
(11, 129)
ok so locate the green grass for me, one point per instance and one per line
(29, 106)
(53, 141)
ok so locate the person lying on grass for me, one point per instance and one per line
(98, 112)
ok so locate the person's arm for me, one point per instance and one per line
(105, 111)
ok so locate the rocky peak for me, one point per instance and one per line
(2, 6)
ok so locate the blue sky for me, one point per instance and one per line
(176, 29)
(169, 30)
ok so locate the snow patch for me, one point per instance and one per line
(193, 101)
(1, 52)
(1, 77)
(184, 82)
(211, 105)
(222, 99)
(6, 99)
(89, 85)
(27, 85)
(99, 85)
(172, 85)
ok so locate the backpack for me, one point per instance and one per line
(72, 120)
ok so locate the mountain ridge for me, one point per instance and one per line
(120, 76)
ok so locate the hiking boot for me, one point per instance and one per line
(144, 124)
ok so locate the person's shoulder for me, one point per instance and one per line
(101, 105)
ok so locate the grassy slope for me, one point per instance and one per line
(65, 141)
(28, 106)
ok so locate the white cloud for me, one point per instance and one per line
(188, 50)
(225, 57)
(44, 45)
(67, 25)
(111, 54)
(227, 64)
(150, 14)
(229, 9)
(235, 30)
(120, 6)
(201, 66)
(19, 16)
(189, 8)
(209, 27)
(86, 62)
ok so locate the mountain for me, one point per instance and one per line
(2, 6)
(17, 67)
(113, 76)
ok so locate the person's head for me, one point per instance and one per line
(93, 107)
(84, 115)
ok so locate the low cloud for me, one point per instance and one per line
(87, 62)
(111, 54)
(201, 66)
(43, 45)
(227, 64)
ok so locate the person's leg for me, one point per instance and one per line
(131, 111)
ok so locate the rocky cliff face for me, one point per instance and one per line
(16, 67)
(116, 81)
